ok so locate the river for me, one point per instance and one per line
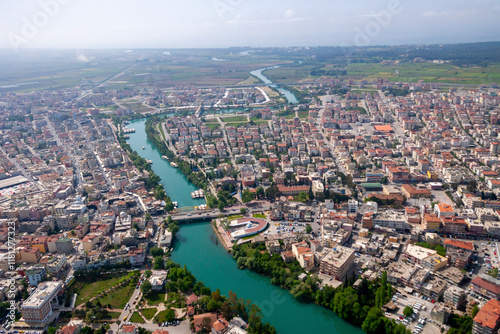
(197, 248)
(289, 95)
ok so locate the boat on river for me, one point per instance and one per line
(150, 161)
(173, 164)
(164, 157)
(143, 148)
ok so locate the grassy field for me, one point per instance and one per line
(118, 298)
(149, 313)
(87, 291)
(154, 298)
(429, 72)
(286, 74)
(403, 72)
(303, 114)
(213, 126)
(251, 80)
(259, 215)
(113, 315)
(136, 318)
(234, 119)
(136, 106)
(197, 71)
(162, 316)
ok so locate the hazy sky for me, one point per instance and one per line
(224, 23)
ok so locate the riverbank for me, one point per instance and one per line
(222, 236)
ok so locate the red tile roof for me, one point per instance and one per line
(489, 315)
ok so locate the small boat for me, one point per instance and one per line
(173, 164)
(164, 157)
(176, 204)
(143, 148)
(193, 194)
(150, 161)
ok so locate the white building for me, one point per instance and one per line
(38, 307)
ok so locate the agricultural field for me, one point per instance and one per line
(196, 71)
(428, 72)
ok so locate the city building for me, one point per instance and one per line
(338, 262)
(38, 307)
(487, 320)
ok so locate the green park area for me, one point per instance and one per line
(149, 313)
(154, 298)
(114, 290)
(137, 319)
(234, 119)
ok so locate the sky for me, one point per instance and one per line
(256, 23)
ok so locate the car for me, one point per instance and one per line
(433, 301)
(401, 317)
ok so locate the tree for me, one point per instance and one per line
(243, 211)
(247, 196)
(408, 311)
(146, 287)
(472, 186)
(156, 251)
(147, 216)
(220, 206)
(302, 197)
(373, 323)
(475, 310)
(260, 192)
(148, 273)
(308, 229)
(158, 263)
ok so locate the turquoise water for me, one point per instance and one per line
(196, 247)
(175, 183)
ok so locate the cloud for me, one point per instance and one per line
(289, 13)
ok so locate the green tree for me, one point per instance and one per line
(147, 216)
(247, 196)
(374, 323)
(408, 311)
(146, 287)
(148, 273)
(260, 192)
(158, 263)
(220, 206)
(156, 251)
(243, 211)
(475, 310)
(308, 229)
(302, 197)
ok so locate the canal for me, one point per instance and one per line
(197, 248)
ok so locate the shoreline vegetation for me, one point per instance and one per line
(360, 307)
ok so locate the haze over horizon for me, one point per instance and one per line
(229, 23)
